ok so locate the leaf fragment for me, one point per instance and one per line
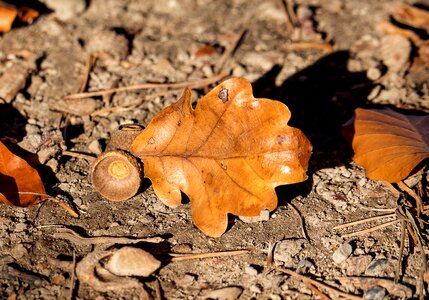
(389, 145)
(20, 184)
(227, 155)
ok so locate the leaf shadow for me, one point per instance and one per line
(321, 98)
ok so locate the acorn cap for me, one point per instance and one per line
(116, 175)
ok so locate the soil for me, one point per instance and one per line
(175, 41)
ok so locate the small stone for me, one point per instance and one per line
(58, 279)
(375, 293)
(373, 73)
(342, 253)
(286, 250)
(226, 293)
(264, 215)
(66, 9)
(256, 288)
(304, 266)
(95, 147)
(376, 267)
(356, 265)
(18, 251)
(395, 51)
(251, 271)
(275, 297)
(186, 280)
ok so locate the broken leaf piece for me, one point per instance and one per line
(130, 261)
(227, 155)
(8, 14)
(387, 144)
(20, 184)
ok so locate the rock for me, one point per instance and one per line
(226, 293)
(375, 293)
(66, 9)
(304, 266)
(256, 288)
(286, 250)
(186, 280)
(95, 147)
(395, 51)
(250, 271)
(356, 265)
(342, 253)
(376, 267)
(373, 73)
(263, 216)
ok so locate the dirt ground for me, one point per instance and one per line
(163, 41)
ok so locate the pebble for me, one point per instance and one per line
(376, 267)
(95, 147)
(304, 266)
(186, 280)
(286, 250)
(342, 253)
(373, 73)
(263, 216)
(356, 265)
(66, 9)
(395, 51)
(226, 293)
(256, 288)
(251, 271)
(375, 293)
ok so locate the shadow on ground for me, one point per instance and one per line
(321, 98)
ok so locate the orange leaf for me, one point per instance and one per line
(227, 155)
(8, 14)
(20, 184)
(388, 144)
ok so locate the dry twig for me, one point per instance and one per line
(190, 84)
(182, 257)
(319, 284)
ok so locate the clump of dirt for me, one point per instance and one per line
(333, 59)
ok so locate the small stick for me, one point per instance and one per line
(327, 48)
(392, 189)
(270, 259)
(47, 197)
(73, 236)
(289, 25)
(316, 291)
(364, 221)
(291, 12)
(403, 186)
(88, 157)
(72, 276)
(134, 103)
(229, 52)
(389, 28)
(208, 255)
(371, 229)
(318, 284)
(301, 219)
(88, 67)
(190, 84)
(401, 252)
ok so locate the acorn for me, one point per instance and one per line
(116, 175)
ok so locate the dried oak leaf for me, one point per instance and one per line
(227, 155)
(20, 184)
(387, 144)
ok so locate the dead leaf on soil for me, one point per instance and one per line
(8, 14)
(387, 144)
(227, 155)
(20, 184)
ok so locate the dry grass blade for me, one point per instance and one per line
(183, 257)
(364, 221)
(188, 84)
(371, 229)
(319, 284)
(73, 236)
(301, 220)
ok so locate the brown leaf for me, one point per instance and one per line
(388, 144)
(227, 155)
(20, 184)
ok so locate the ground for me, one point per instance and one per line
(164, 41)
